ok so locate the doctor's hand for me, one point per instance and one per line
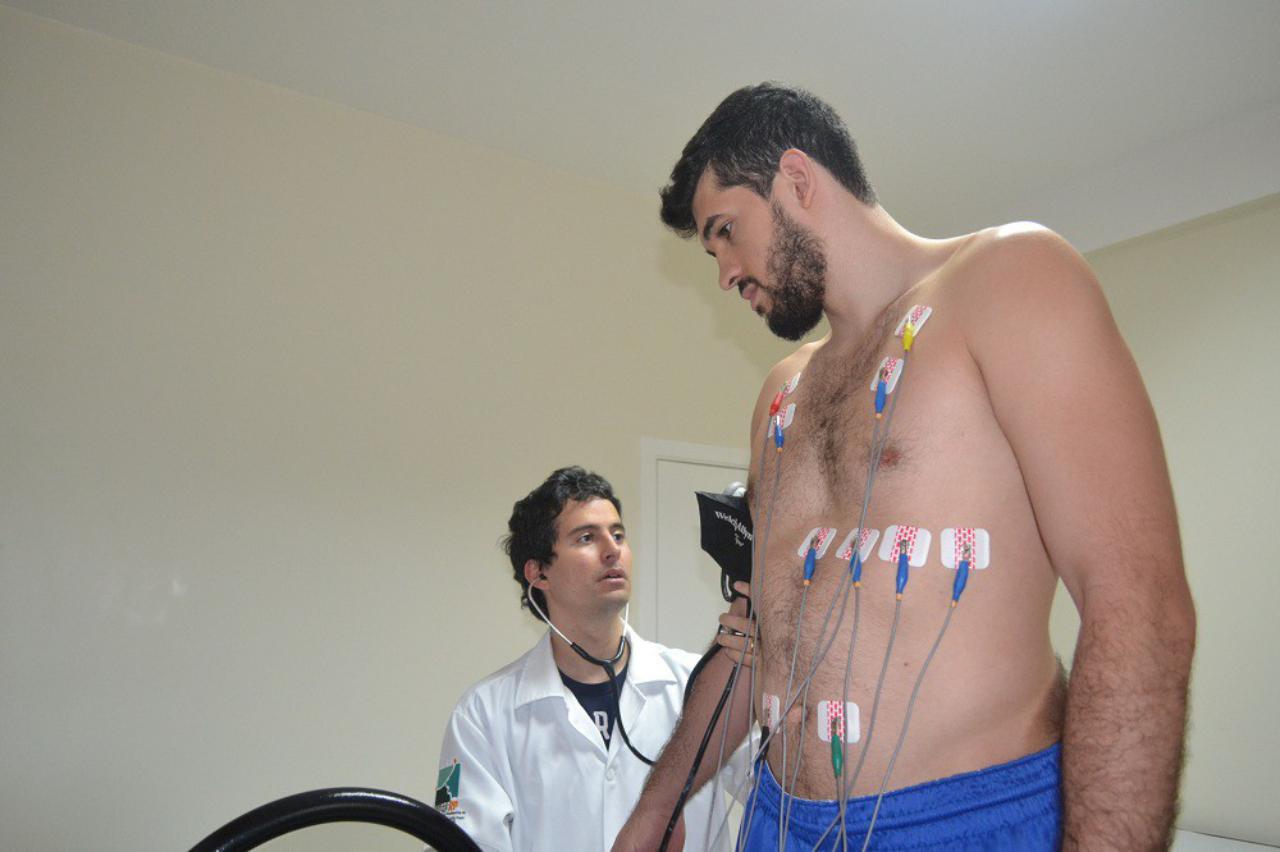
(737, 629)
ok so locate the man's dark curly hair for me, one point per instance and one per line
(743, 139)
(532, 526)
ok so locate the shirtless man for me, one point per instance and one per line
(1019, 412)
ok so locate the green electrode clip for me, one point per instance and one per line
(837, 750)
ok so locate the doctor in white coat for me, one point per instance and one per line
(534, 757)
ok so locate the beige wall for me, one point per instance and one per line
(1198, 304)
(273, 372)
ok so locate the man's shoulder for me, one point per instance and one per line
(782, 373)
(1019, 254)
(1026, 238)
(1020, 289)
(1013, 272)
(786, 369)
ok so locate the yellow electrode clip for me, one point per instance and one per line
(908, 336)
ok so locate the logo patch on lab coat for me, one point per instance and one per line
(447, 784)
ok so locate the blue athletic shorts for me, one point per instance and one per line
(1012, 806)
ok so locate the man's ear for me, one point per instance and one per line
(534, 574)
(798, 175)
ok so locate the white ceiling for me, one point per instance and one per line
(1103, 118)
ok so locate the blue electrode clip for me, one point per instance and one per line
(962, 577)
(904, 562)
(777, 433)
(855, 567)
(810, 564)
(882, 390)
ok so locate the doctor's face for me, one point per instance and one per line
(590, 574)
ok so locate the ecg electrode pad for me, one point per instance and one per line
(866, 541)
(770, 709)
(889, 373)
(918, 316)
(900, 538)
(791, 385)
(819, 538)
(784, 416)
(847, 724)
(960, 543)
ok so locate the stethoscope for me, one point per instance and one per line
(608, 665)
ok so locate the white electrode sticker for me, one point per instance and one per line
(912, 541)
(960, 543)
(819, 538)
(784, 417)
(889, 373)
(866, 541)
(845, 723)
(918, 315)
(770, 707)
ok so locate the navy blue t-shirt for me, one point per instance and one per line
(597, 700)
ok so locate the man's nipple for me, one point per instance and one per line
(891, 456)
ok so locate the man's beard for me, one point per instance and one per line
(797, 268)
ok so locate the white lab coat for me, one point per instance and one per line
(534, 771)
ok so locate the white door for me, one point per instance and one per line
(678, 594)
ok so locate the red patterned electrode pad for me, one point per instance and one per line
(959, 543)
(901, 538)
(866, 541)
(819, 538)
(784, 416)
(770, 709)
(889, 373)
(844, 720)
(918, 315)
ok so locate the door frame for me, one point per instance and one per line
(653, 451)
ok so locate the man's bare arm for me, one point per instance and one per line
(643, 831)
(1126, 713)
(1068, 395)
(647, 824)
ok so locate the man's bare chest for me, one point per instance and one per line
(922, 450)
(836, 440)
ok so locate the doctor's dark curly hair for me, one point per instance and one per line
(532, 526)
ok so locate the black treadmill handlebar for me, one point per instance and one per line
(338, 804)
